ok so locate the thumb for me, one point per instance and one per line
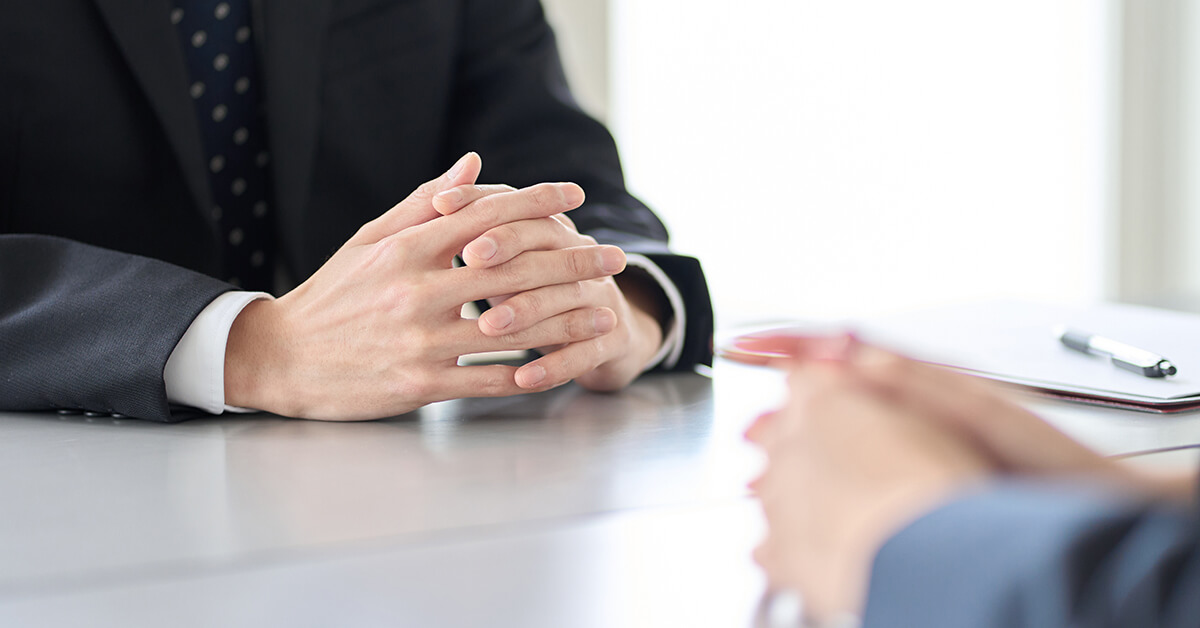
(418, 207)
(464, 172)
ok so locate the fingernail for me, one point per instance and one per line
(533, 376)
(572, 194)
(603, 320)
(612, 259)
(483, 248)
(458, 166)
(839, 348)
(452, 196)
(499, 317)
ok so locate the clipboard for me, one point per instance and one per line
(1014, 342)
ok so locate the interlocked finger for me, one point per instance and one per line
(458, 382)
(1012, 434)
(418, 207)
(569, 327)
(528, 308)
(536, 269)
(501, 244)
(454, 199)
(566, 364)
(453, 232)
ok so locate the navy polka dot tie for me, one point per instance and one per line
(219, 51)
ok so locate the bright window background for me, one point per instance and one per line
(831, 159)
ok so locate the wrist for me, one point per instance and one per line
(649, 308)
(251, 358)
(648, 334)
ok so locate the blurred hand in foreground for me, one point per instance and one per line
(868, 441)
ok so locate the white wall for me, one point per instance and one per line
(828, 159)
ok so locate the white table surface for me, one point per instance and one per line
(561, 509)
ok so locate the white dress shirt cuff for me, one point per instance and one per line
(195, 372)
(672, 346)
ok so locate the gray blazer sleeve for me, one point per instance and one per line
(87, 328)
(1036, 555)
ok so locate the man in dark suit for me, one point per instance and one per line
(155, 156)
(913, 496)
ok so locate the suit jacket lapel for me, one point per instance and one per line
(145, 35)
(292, 35)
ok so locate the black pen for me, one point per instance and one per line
(1130, 358)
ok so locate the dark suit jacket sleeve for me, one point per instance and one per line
(88, 328)
(1021, 555)
(513, 106)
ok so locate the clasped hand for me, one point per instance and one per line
(869, 441)
(377, 330)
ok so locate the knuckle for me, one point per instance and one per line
(526, 305)
(384, 252)
(419, 340)
(519, 339)
(423, 386)
(505, 235)
(578, 263)
(418, 387)
(511, 273)
(486, 210)
(417, 293)
(392, 297)
(545, 196)
(496, 385)
(574, 327)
